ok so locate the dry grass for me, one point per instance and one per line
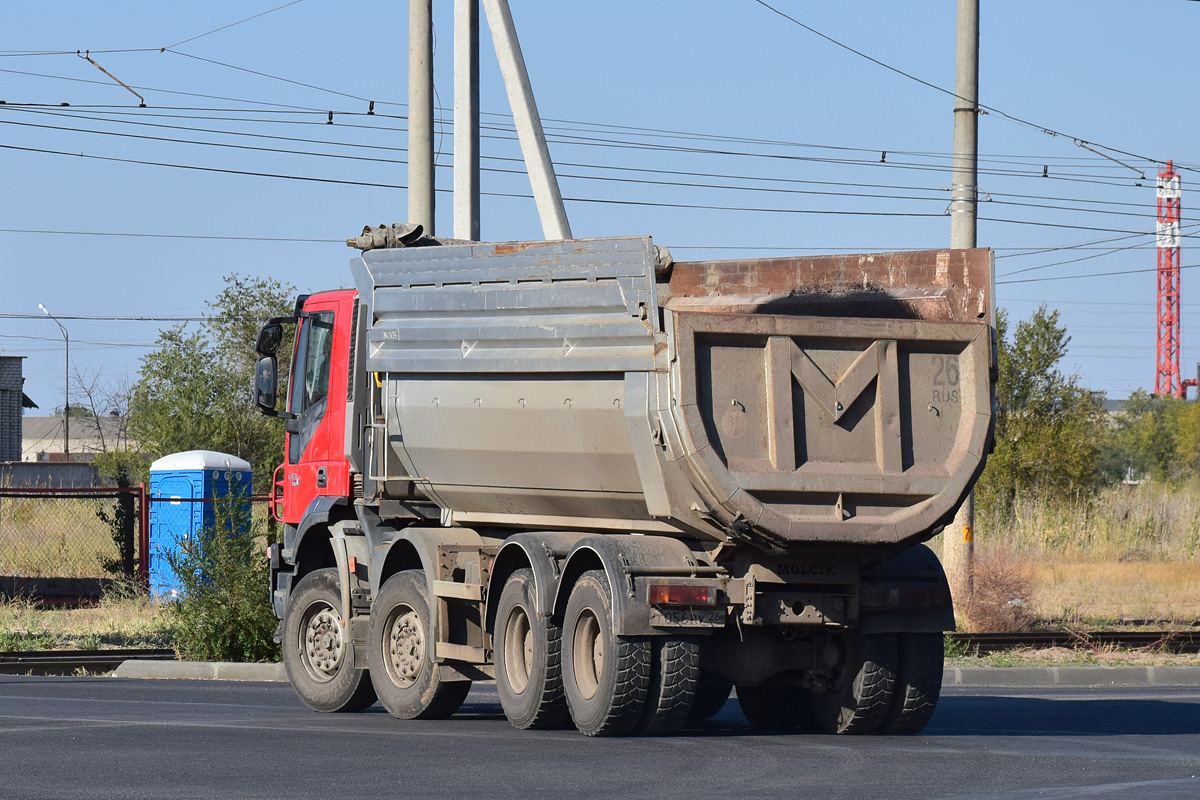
(1151, 522)
(1003, 598)
(1079, 592)
(116, 622)
(54, 537)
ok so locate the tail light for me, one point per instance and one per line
(674, 594)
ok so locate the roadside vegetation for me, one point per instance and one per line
(122, 619)
(1084, 518)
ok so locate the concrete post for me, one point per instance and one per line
(466, 119)
(529, 125)
(958, 548)
(420, 114)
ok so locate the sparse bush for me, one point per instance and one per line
(224, 610)
(1003, 598)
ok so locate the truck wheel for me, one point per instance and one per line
(859, 703)
(317, 654)
(776, 708)
(918, 683)
(711, 696)
(400, 647)
(674, 676)
(605, 676)
(528, 658)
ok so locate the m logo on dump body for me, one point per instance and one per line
(834, 397)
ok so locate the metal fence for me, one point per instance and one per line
(73, 533)
(65, 544)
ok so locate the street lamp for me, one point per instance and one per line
(66, 383)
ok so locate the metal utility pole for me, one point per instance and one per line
(420, 114)
(1169, 338)
(66, 381)
(958, 547)
(529, 125)
(466, 119)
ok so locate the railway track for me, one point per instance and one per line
(68, 662)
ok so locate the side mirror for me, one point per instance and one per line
(266, 389)
(269, 339)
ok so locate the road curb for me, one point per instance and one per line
(201, 670)
(979, 677)
(1071, 676)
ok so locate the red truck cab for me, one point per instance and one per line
(315, 462)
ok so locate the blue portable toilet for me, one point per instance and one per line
(175, 482)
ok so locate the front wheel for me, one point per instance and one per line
(400, 648)
(317, 652)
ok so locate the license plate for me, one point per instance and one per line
(687, 617)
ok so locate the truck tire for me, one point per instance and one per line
(528, 658)
(918, 683)
(317, 654)
(776, 709)
(674, 676)
(400, 649)
(859, 703)
(712, 694)
(605, 676)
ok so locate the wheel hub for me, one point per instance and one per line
(324, 647)
(518, 651)
(588, 652)
(405, 648)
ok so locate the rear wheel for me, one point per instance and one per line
(674, 676)
(918, 683)
(528, 658)
(605, 676)
(400, 645)
(776, 708)
(859, 702)
(317, 652)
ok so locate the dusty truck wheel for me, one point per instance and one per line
(776, 708)
(918, 683)
(317, 653)
(674, 676)
(605, 676)
(859, 702)
(711, 696)
(528, 658)
(400, 646)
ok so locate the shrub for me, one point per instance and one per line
(1002, 602)
(224, 611)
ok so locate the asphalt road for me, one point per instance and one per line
(109, 738)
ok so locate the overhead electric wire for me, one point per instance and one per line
(847, 162)
(234, 24)
(989, 109)
(47, 231)
(1091, 275)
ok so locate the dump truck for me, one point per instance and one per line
(620, 485)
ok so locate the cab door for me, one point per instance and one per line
(315, 461)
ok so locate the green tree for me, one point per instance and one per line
(194, 391)
(1155, 435)
(1050, 431)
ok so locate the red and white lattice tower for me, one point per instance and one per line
(1166, 372)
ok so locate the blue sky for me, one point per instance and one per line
(656, 94)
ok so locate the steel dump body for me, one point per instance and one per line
(788, 403)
